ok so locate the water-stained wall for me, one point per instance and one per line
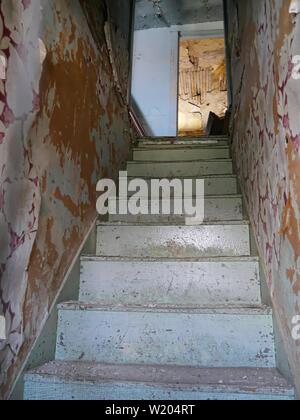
(63, 125)
(264, 38)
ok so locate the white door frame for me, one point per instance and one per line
(174, 85)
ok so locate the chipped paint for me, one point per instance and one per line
(62, 127)
(264, 38)
(91, 381)
(146, 335)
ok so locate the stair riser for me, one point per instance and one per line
(56, 389)
(180, 145)
(217, 209)
(171, 338)
(179, 169)
(212, 186)
(173, 241)
(216, 141)
(185, 154)
(186, 284)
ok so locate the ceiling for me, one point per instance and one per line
(164, 13)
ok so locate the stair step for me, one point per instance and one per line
(96, 382)
(177, 153)
(214, 282)
(184, 141)
(213, 184)
(180, 169)
(227, 239)
(220, 208)
(240, 337)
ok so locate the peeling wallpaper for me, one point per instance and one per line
(63, 126)
(264, 38)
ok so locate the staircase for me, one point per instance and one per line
(169, 311)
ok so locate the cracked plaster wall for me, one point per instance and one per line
(63, 125)
(264, 38)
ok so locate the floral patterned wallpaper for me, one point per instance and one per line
(264, 38)
(62, 127)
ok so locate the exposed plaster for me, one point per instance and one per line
(62, 127)
(264, 39)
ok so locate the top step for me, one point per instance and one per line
(184, 141)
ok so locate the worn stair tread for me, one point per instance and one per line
(216, 208)
(180, 152)
(201, 137)
(211, 197)
(168, 260)
(141, 162)
(225, 184)
(179, 168)
(183, 140)
(212, 223)
(263, 380)
(169, 239)
(190, 282)
(207, 310)
(177, 146)
(208, 176)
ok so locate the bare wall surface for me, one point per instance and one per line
(62, 127)
(264, 38)
(164, 13)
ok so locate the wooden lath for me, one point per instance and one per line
(194, 84)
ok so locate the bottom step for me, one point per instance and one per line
(90, 381)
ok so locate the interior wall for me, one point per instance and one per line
(63, 126)
(264, 39)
